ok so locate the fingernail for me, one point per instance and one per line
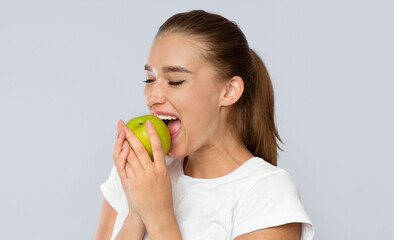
(119, 132)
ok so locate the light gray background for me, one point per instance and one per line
(69, 70)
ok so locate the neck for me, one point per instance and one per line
(218, 158)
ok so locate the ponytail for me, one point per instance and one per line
(263, 132)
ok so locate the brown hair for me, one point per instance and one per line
(225, 46)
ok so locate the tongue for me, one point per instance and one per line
(174, 126)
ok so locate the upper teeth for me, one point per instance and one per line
(165, 117)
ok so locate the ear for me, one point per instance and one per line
(232, 91)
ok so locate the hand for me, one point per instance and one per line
(121, 150)
(150, 183)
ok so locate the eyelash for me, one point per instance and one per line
(171, 83)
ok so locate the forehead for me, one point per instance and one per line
(175, 50)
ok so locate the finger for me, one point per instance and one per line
(118, 145)
(118, 127)
(138, 148)
(135, 163)
(155, 142)
(121, 162)
(130, 171)
(130, 181)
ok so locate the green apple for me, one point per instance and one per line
(137, 125)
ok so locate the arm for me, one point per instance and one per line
(290, 231)
(131, 230)
(169, 229)
(106, 222)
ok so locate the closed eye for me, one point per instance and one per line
(176, 83)
(170, 83)
(148, 81)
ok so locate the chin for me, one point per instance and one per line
(175, 155)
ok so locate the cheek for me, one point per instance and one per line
(146, 95)
(201, 112)
(204, 96)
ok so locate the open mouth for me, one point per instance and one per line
(166, 121)
(173, 124)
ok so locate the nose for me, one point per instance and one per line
(154, 94)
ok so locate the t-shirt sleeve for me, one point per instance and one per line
(112, 189)
(269, 201)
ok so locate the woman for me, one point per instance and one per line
(220, 180)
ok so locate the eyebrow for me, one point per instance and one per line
(169, 69)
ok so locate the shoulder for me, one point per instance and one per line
(270, 199)
(271, 179)
(268, 189)
(112, 189)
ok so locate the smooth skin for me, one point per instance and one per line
(106, 222)
(150, 192)
(133, 226)
(203, 104)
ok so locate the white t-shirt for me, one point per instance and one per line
(254, 196)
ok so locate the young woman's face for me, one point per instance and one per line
(195, 101)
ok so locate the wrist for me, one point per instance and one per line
(132, 229)
(132, 220)
(167, 229)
